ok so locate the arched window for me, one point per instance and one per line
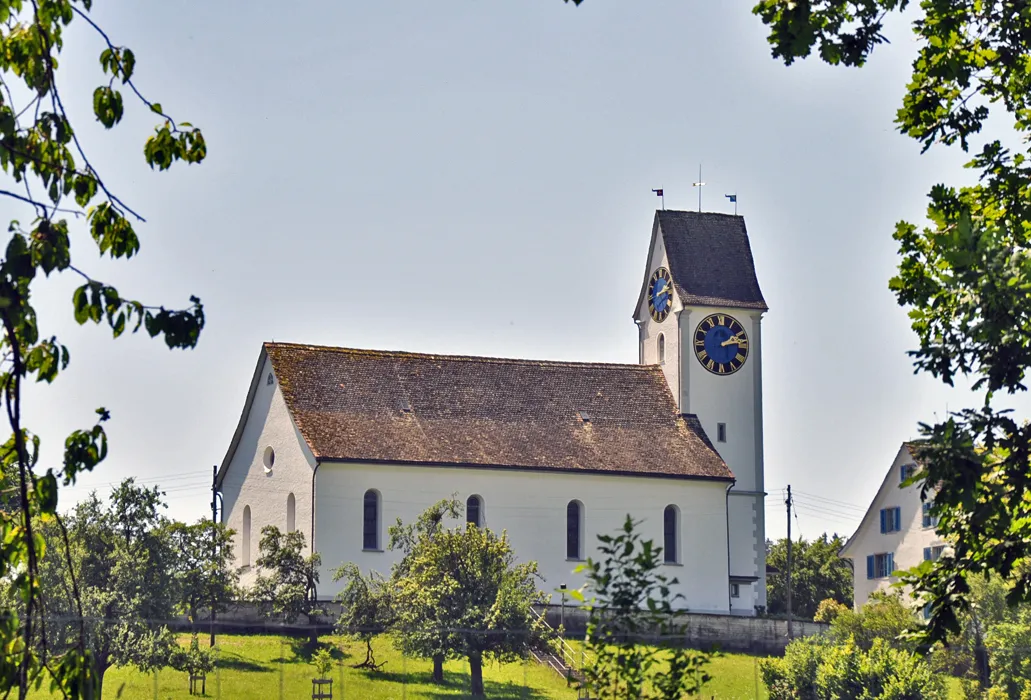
(245, 538)
(370, 520)
(474, 510)
(671, 535)
(661, 344)
(574, 530)
(291, 513)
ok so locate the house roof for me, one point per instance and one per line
(399, 407)
(891, 477)
(710, 259)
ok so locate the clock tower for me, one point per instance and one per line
(699, 317)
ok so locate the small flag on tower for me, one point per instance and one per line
(731, 197)
(658, 193)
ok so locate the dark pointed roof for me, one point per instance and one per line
(399, 407)
(710, 259)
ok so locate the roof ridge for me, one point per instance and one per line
(461, 358)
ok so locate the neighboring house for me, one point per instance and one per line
(897, 532)
(340, 443)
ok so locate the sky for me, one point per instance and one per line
(475, 178)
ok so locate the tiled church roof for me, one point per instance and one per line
(372, 406)
(710, 259)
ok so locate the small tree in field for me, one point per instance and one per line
(288, 584)
(464, 586)
(366, 608)
(632, 602)
(424, 639)
(202, 567)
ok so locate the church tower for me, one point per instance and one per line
(699, 316)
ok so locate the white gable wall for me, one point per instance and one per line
(907, 545)
(246, 483)
(650, 328)
(531, 506)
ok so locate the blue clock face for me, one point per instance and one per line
(660, 294)
(721, 344)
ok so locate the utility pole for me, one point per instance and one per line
(214, 535)
(791, 634)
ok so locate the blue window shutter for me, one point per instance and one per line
(927, 554)
(891, 563)
(869, 566)
(902, 474)
(883, 521)
(898, 518)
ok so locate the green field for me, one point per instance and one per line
(277, 667)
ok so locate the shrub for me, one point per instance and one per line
(885, 616)
(1009, 644)
(829, 609)
(821, 669)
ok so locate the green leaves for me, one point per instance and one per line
(107, 105)
(165, 147)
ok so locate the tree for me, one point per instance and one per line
(288, 585)
(423, 640)
(817, 573)
(51, 178)
(366, 612)
(632, 601)
(464, 587)
(119, 556)
(966, 274)
(202, 567)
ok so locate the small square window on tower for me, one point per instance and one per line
(721, 432)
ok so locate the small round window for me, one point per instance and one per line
(269, 459)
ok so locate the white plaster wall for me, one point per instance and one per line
(736, 400)
(247, 484)
(908, 544)
(650, 328)
(531, 507)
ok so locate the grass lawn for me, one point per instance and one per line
(277, 667)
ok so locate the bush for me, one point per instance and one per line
(1009, 644)
(829, 609)
(818, 668)
(885, 616)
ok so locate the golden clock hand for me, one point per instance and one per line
(731, 341)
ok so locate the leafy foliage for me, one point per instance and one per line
(828, 610)
(815, 668)
(117, 559)
(287, 585)
(631, 603)
(366, 608)
(322, 660)
(966, 274)
(885, 616)
(425, 638)
(194, 660)
(464, 595)
(817, 573)
(49, 174)
(202, 566)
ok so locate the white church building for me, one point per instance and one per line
(339, 443)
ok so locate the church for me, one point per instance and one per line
(339, 442)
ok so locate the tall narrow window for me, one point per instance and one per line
(662, 348)
(370, 520)
(721, 432)
(474, 510)
(671, 535)
(574, 530)
(245, 537)
(291, 513)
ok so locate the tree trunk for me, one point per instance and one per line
(313, 633)
(438, 668)
(476, 675)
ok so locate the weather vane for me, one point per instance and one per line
(699, 185)
(658, 193)
(732, 198)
